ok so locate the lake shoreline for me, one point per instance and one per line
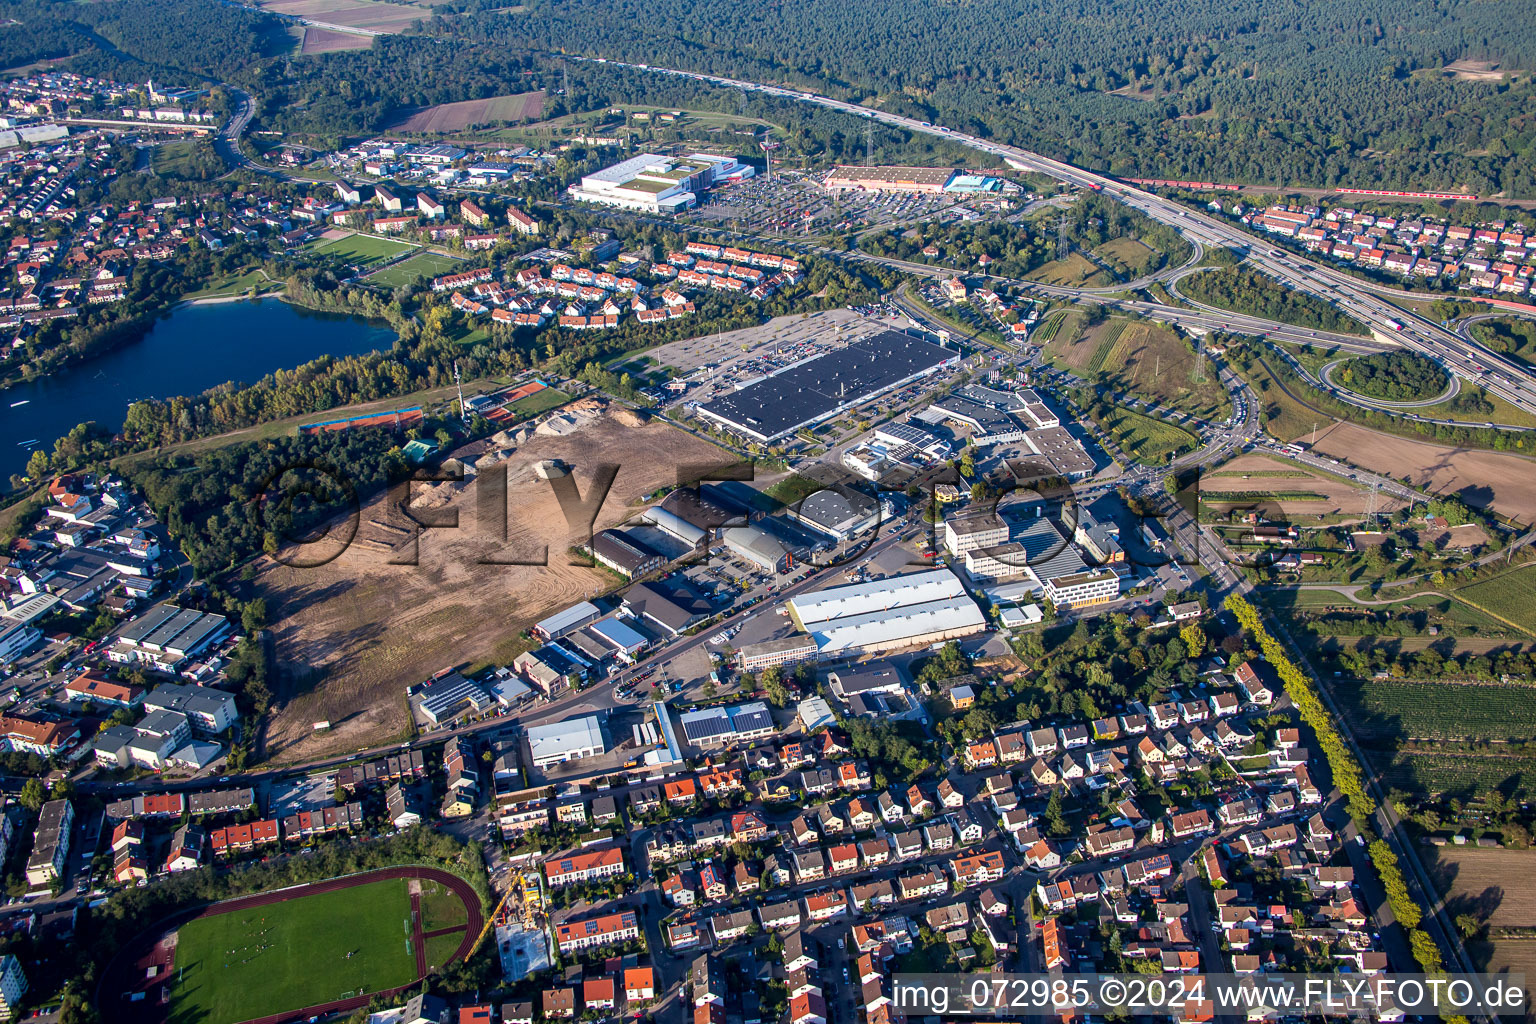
(195, 345)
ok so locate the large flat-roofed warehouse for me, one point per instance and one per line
(886, 615)
(825, 385)
(928, 180)
(563, 741)
(654, 183)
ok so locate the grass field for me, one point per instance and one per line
(286, 956)
(361, 251)
(441, 908)
(1511, 597)
(1129, 256)
(1283, 415)
(453, 117)
(182, 158)
(539, 402)
(414, 268)
(1147, 440)
(1074, 271)
(235, 284)
(1156, 362)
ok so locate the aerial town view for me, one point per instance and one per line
(787, 514)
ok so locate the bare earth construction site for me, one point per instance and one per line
(351, 635)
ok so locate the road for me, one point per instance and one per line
(1504, 377)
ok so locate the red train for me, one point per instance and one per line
(1403, 195)
(1205, 185)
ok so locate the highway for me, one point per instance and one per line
(1466, 359)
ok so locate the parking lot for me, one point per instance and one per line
(734, 358)
(794, 203)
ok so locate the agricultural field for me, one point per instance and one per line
(1483, 882)
(1501, 481)
(1297, 489)
(455, 117)
(1510, 597)
(1076, 271)
(370, 15)
(350, 635)
(413, 268)
(1457, 773)
(1147, 440)
(324, 40)
(1383, 709)
(1073, 344)
(285, 956)
(360, 251)
(642, 123)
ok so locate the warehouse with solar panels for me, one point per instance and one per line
(722, 726)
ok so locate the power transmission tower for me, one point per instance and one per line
(1371, 503)
(458, 382)
(1200, 359)
(565, 78)
(1063, 243)
(869, 145)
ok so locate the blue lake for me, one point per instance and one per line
(190, 349)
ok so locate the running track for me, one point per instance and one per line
(129, 970)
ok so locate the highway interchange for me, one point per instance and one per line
(1457, 354)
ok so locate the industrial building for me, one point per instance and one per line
(915, 180)
(911, 180)
(719, 726)
(624, 554)
(839, 512)
(789, 650)
(973, 530)
(565, 741)
(668, 605)
(760, 548)
(451, 697)
(1036, 553)
(563, 622)
(1063, 452)
(651, 183)
(167, 635)
(825, 385)
(886, 615)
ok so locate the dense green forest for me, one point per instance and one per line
(211, 501)
(128, 40)
(1394, 376)
(1248, 291)
(1243, 90)
(1250, 91)
(1508, 336)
